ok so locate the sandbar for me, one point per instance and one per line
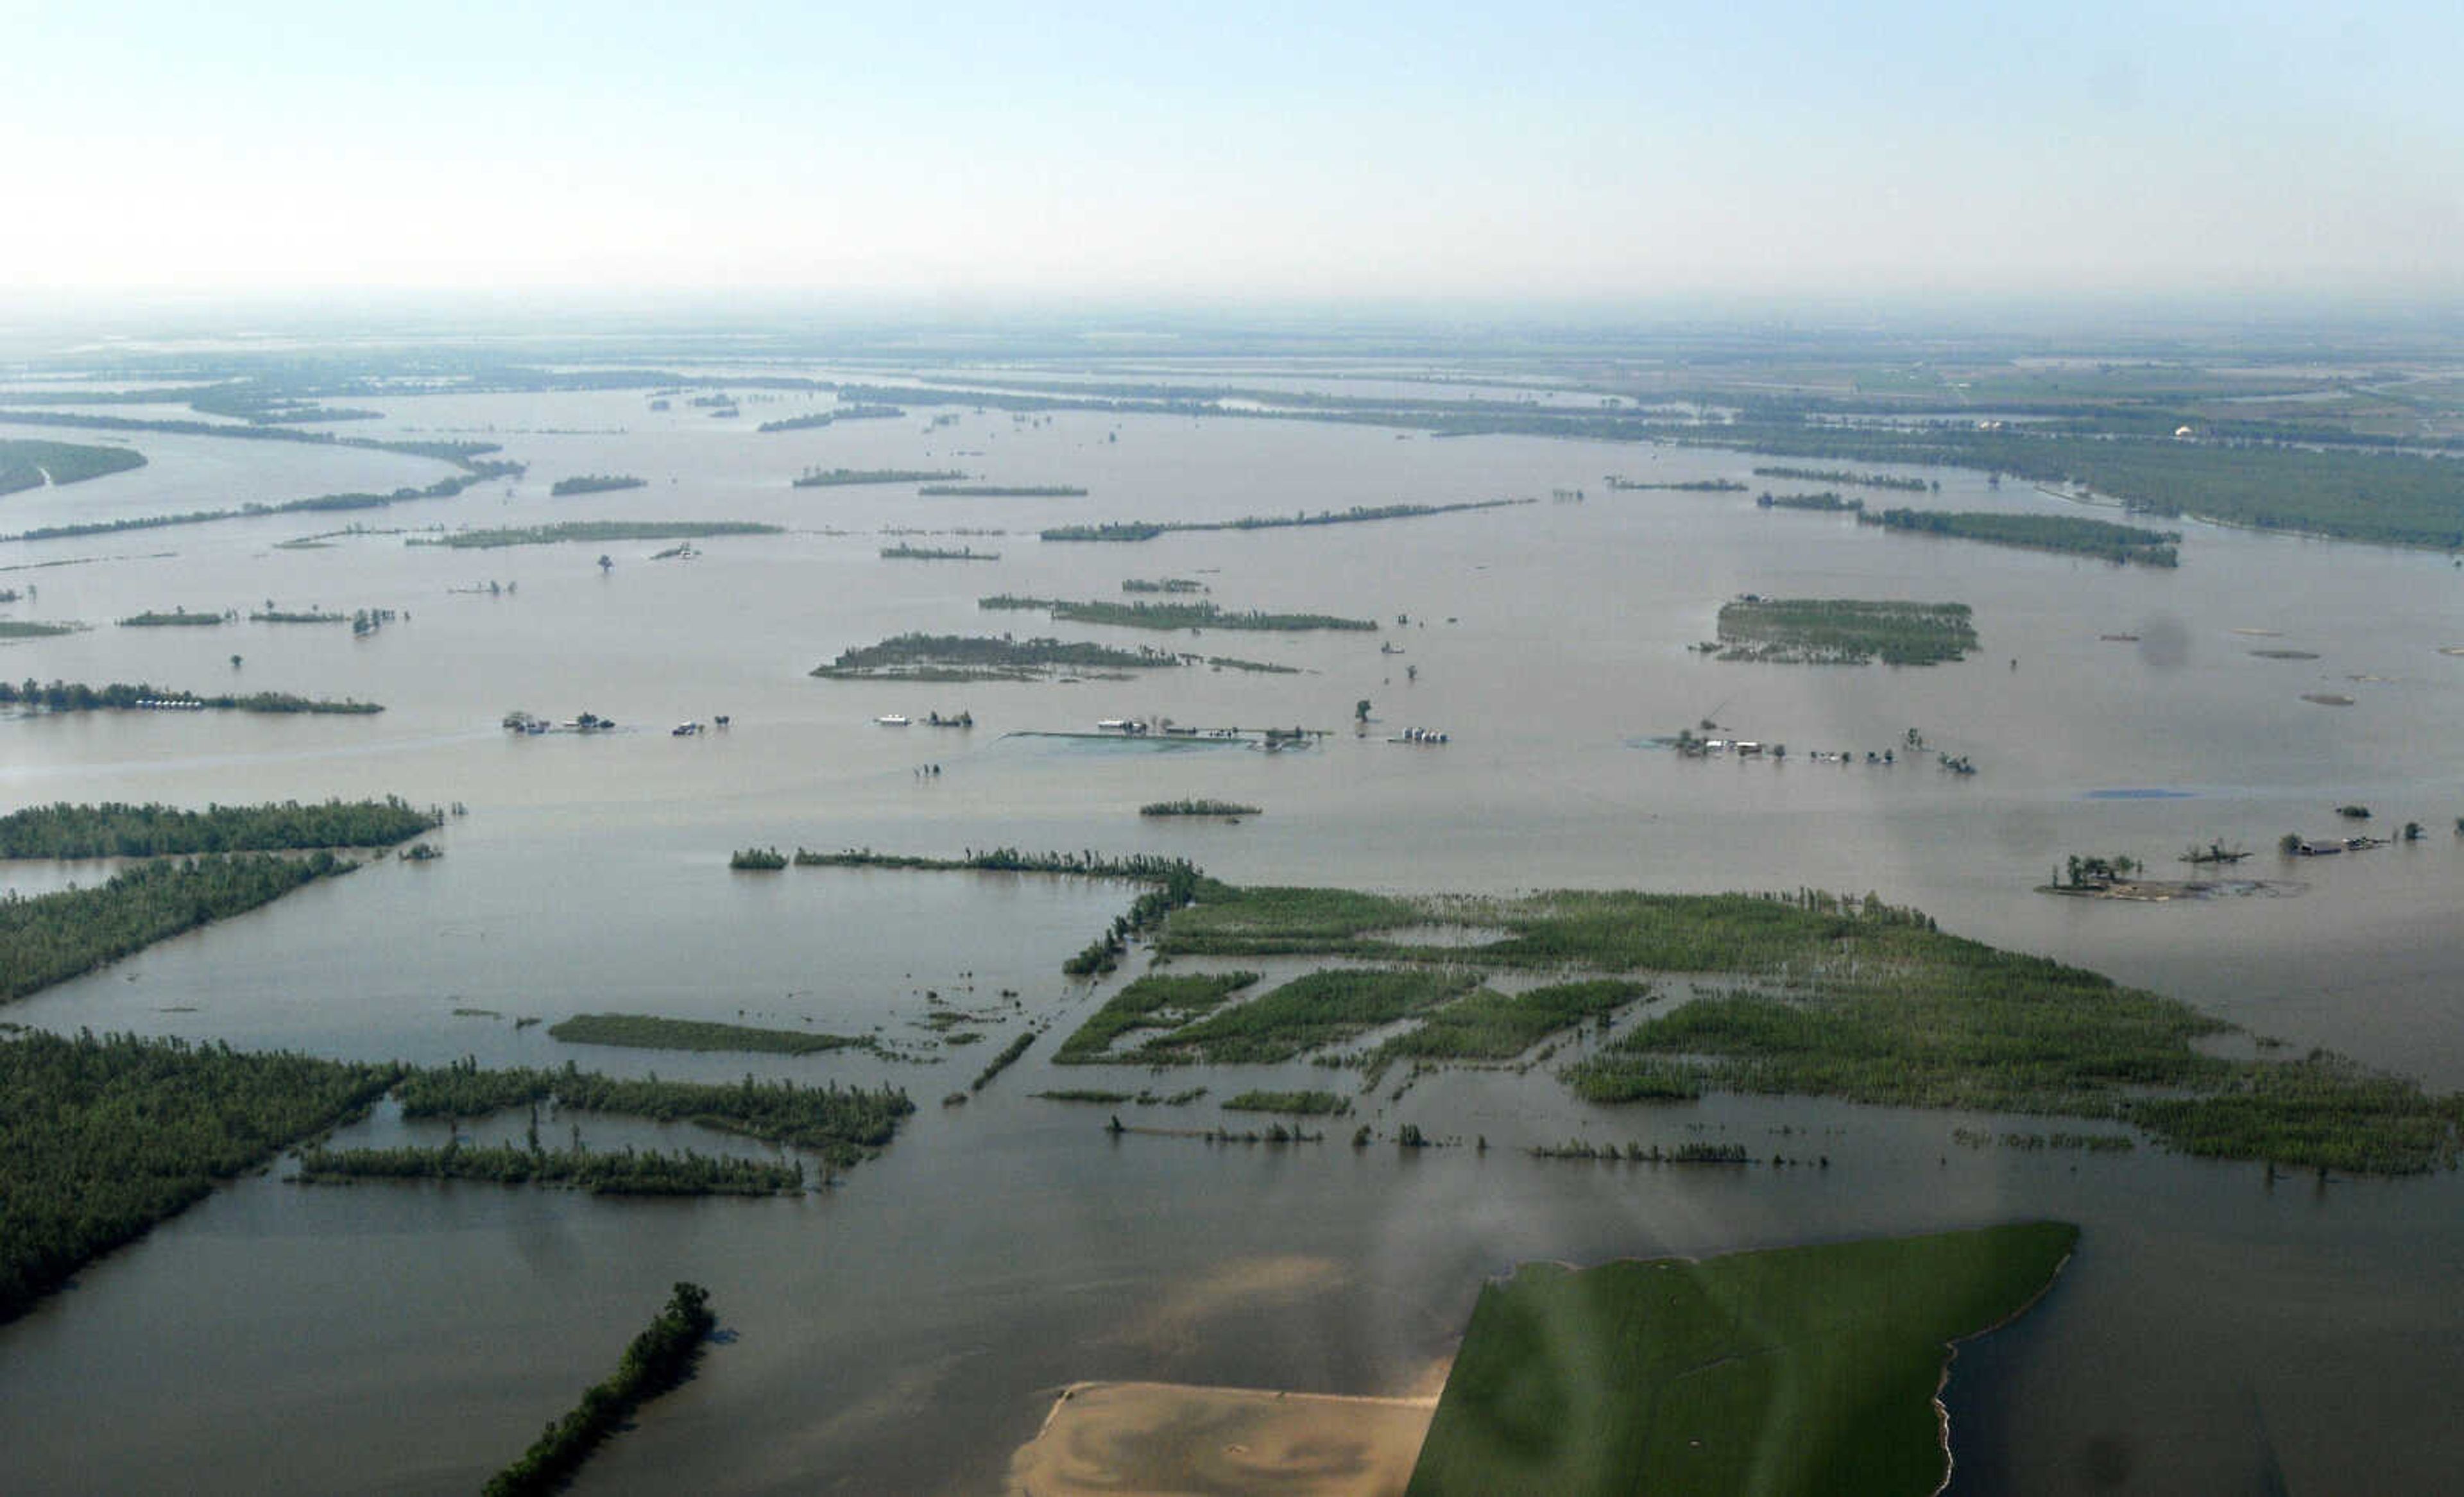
(1158, 1438)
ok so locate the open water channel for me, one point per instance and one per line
(2218, 1332)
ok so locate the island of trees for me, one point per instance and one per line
(122, 696)
(1357, 515)
(1198, 807)
(1842, 476)
(116, 829)
(52, 938)
(957, 657)
(848, 477)
(1844, 632)
(595, 483)
(905, 552)
(1146, 615)
(658, 1359)
(2077, 535)
(175, 618)
(648, 1032)
(595, 530)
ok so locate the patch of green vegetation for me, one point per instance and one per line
(1262, 667)
(1198, 807)
(1165, 584)
(595, 483)
(311, 616)
(758, 860)
(1357, 515)
(1865, 1002)
(1082, 1094)
(116, 829)
(1173, 615)
(1155, 1001)
(1001, 491)
(594, 530)
(1309, 1013)
(1494, 1026)
(659, 1359)
(1797, 1370)
(122, 696)
(1302, 1104)
(958, 657)
(844, 1125)
(631, 1171)
(177, 618)
(52, 938)
(847, 478)
(648, 1032)
(2073, 533)
(25, 464)
(29, 629)
(102, 1137)
(1844, 632)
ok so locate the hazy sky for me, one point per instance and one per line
(1229, 152)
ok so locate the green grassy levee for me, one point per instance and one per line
(1798, 1370)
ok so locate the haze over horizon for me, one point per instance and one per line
(1106, 154)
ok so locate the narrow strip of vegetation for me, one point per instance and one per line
(53, 938)
(851, 478)
(176, 618)
(1357, 515)
(628, 1172)
(1196, 807)
(1854, 480)
(648, 1032)
(1155, 1001)
(122, 696)
(1173, 615)
(1297, 1104)
(904, 552)
(658, 1359)
(594, 530)
(2075, 535)
(116, 829)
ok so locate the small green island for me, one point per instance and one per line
(33, 629)
(958, 657)
(1623, 485)
(595, 483)
(1194, 805)
(1844, 632)
(1162, 584)
(1795, 1371)
(1146, 615)
(594, 530)
(854, 477)
(1826, 502)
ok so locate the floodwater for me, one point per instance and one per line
(903, 1333)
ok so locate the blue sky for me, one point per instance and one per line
(1221, 153)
